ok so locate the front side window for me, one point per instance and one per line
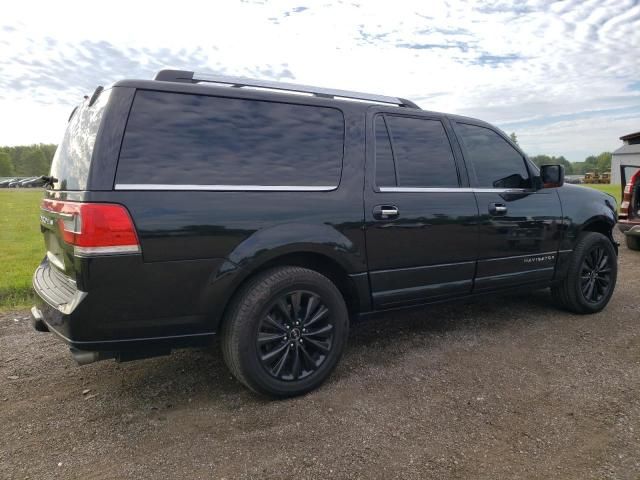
(493, 162)
(178, 139)
(423, 155)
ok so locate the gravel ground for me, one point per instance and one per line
(500, 388)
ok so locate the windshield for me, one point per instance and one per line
(73, 156)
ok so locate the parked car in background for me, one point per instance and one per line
(629, 216)
(17, 181)
(34, 182)
(575, 179)
(5, 183)
(26, 182)
(179, 209)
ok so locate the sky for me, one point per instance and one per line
(564, 76)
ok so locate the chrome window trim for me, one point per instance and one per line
(452, 190)
(225, 188)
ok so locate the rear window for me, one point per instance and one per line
(181, 139)
(72, 159)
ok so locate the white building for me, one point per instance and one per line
(627, 154)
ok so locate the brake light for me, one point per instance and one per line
(625, 206)
(94, 228)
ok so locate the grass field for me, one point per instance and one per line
(22, 246)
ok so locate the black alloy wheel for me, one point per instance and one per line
(295, 335)
(285, 331)
(590, 275)
(595, 276)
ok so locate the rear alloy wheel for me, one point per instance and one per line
(591, 275)
(295, 336)
(285, 331)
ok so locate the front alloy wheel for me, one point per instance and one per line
(590, 276)
(595, 277)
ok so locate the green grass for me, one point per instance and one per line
(614, 190)
(21, 245)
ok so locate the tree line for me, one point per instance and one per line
(32, 160)
(593, 163)
(26, 160)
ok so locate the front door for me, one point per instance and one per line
(520, 226)
(421, 219)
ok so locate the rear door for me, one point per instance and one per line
(421, 217)
(520, 227)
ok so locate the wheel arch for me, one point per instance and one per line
(600, 224)
(355, 292)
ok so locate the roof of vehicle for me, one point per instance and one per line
(181, 81)
(191, 82)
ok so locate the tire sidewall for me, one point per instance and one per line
(250, 363)
(590, 241)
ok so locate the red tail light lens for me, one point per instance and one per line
(626, 196)
(95, 228)
(634, 179)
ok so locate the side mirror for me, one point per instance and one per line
(552, 176)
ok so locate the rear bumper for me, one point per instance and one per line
(47, 319)
(113, 317)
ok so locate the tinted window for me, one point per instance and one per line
(176, 138)
(385, 169)
(72, 159)
(422, 152)
(495, 163)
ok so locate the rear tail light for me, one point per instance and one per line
(627, 195)
(95, 228)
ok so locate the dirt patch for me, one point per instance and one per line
(501, 388)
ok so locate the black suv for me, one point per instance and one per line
(190, 207)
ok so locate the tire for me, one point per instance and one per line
(264, 347)
(591, 276)
(633, 242)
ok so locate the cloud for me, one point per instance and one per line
(64, 72)
(523, 65)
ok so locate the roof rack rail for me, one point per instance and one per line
(184, 76)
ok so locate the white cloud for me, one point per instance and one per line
(522, 65)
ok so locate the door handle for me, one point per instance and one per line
(497, 208)
(385, 212)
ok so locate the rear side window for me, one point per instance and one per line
(385, 168)
(494, 163)
(182, 139)
(423, 156)
(72, 159)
